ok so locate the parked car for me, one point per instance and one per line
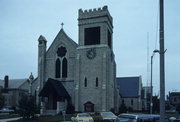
(6, 110)
(139, 118)
(177, 120)
(108, 116)
(82, 117)
(171, 119)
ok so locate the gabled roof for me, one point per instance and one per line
(59, 37)
(128, 86)
(55, 85)
(14, 83)
(69, 86)
(73, 42)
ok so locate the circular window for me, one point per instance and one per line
(61, 51)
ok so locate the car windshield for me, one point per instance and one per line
(83, 115)
(107, 114)
(125, 120)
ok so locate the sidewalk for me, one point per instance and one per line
(10, 119)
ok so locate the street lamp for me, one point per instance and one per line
(151, 104)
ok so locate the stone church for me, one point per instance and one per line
(82, 74)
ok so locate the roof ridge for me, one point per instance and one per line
(19, 79)
(56, 37)
(67, 36)
(57, 85)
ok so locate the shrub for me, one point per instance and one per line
(130, 109)
(122, 108)
(27, 107)
(70, 109)
(178, 108)
(1, 100)
(112, 110)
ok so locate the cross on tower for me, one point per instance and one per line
(62, 25)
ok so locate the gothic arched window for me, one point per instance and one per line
(97, 82)
(64, 68)
(85, 82)
(58, 68)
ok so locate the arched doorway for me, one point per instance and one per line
(55, 92)
(89, 107)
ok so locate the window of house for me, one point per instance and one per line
(61, 52)
(85, 82)
(92, 36)
(122, 101)
(64, 68)
(131, 101)
(61, 68)
(97, 82)
(109, 39)
(58, 68)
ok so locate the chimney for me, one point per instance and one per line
(6, 82)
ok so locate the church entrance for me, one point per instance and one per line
(89, 107)
(55, 102)
(57, 95)
(52, 101)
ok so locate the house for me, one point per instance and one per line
(130, 89)
(13, 90)
(174, 99)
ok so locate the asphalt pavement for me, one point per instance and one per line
(10, 119)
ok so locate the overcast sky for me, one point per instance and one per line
(135, 22)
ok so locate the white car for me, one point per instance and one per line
(82, 117)
(108, 116)
(6, 110)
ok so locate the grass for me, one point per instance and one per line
(47, 118)
(8, 116)
(173, 115)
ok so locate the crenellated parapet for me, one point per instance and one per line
(95, 13)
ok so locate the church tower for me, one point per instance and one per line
(95, 65)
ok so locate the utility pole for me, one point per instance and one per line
(162, 69)
(151, 103)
